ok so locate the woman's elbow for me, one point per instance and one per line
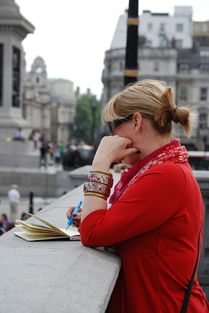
(91, 241)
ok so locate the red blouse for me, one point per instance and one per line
(154, 228)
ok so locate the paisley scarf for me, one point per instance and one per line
(172, 152)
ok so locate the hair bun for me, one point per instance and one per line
(182, 115)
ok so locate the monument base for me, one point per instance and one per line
(9, 126)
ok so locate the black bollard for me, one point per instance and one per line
(31, 194)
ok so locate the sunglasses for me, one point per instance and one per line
(111, 125)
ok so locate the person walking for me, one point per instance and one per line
(14, 198)
(156, 215)
(43, 148)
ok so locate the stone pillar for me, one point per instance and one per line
(13, 29)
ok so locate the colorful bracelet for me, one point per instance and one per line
(98, 188)
(101, 171)
(94, 194)
(100, 177)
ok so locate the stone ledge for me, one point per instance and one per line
(58, 275)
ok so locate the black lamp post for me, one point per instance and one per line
(131, 59)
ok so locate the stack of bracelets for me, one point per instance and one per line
(99, 184)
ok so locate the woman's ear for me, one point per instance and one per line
(137, 119)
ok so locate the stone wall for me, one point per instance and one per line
(58, 275)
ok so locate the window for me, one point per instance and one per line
(16, 77)
(39, 70)
(156, 67)
(183, 93)
(179, 27)
(149, 26)
(205, 27)
(203, 120)
(178, 43)
(183, 68)
(163, 41)
(1, 75)
(162, 27)
(121, 67)
(148, 43)
(204, 53)
(203, 94)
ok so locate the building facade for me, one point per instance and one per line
(200, 33)
(159, 29)
(62, 109)
(37, 100)
(48, 104)
(184, 67)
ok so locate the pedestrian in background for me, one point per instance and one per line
(19, 135)
(43, 148)
(14, 198)
(57, 155)
(6, 224)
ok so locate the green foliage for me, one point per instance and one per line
(86, 108)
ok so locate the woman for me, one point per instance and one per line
(156, 214)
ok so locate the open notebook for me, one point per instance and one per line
(35, 232)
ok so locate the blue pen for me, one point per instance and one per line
(71, 219)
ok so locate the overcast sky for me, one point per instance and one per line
(73, 35)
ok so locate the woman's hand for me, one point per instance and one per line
(112, 149)
(120, 167)
(76, 217)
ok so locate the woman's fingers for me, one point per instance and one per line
(76, 216)
(113, 149)
(77, 219)
(70, 212)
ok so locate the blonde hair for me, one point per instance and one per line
(154, 100)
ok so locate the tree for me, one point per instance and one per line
(87, 119)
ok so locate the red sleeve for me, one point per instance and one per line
(153, 199)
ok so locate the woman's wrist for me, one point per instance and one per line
(101, 164)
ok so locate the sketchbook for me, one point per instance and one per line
(47, 231)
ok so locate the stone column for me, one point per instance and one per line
(13, 29)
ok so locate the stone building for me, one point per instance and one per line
(49, 104)
(186, 70)
(159, 29)
(27, 100)
(200, 33)
(37, 100)
(62, 108)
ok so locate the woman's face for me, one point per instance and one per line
(126, 130)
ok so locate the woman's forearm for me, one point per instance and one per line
(91, 204)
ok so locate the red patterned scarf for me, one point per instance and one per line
(172, 152)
